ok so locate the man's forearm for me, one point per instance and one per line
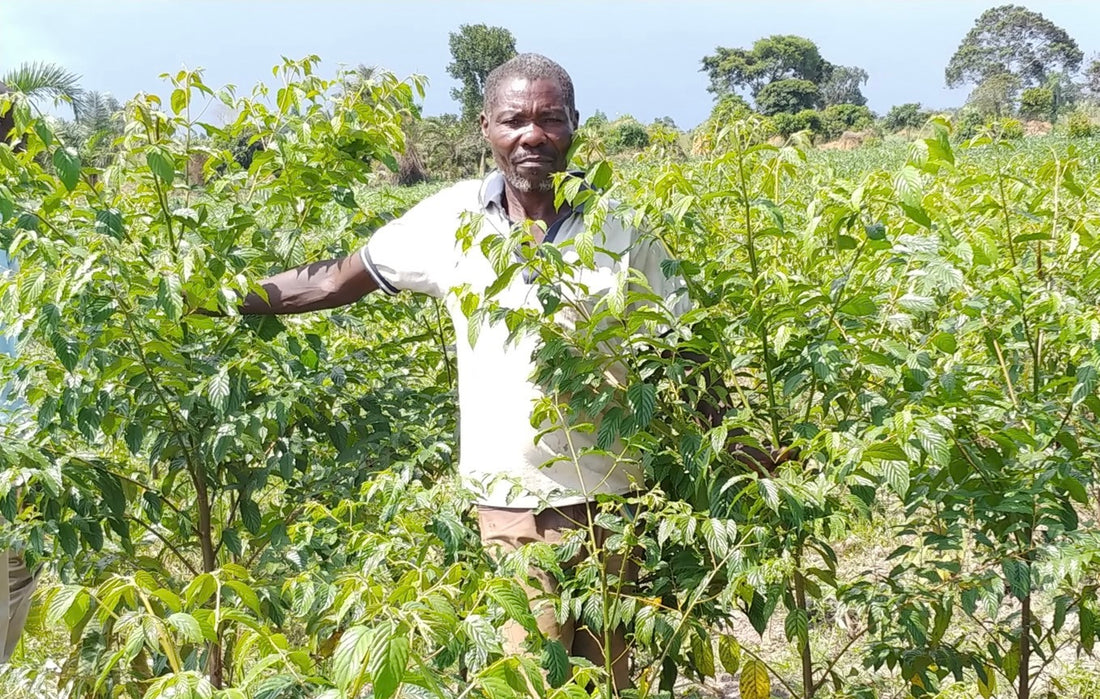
(312, 287)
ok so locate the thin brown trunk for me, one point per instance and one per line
(215, 665)
(804, 647)
(1024, 690)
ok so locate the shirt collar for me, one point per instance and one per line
(492, 190)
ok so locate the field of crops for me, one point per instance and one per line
(238, 507)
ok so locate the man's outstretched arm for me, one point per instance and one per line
(312, 287)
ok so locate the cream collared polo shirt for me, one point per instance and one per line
(502, 458)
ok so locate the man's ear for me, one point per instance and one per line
(484, 120)
(576, 120)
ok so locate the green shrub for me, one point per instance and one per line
(1009, 129)
(627, 134)
(838, 118)
(807, 120)
(787, 96)
(1078, 124)
(967, 123)
(905, 116)
(1037, 103)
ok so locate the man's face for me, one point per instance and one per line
(529, 129)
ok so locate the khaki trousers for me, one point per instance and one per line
(16, 587)
(506, 529)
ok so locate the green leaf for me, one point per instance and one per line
(585, 247)
(68, 351)
(350, 657)
(797, 626)
(187, 626)
(63, 600)
(885, 451)
(246, 593)
(161, 164)
(1086, 384)
(729, 653)
(1087, 627)
(135, 436)
(170, 296)
(513, 601)
(987, 685)
(178, 100)
(217, 391)
(67, 163)
(389, 658)
(945, 342)
(555, 661)
(908, 186)
(1018, 575)
(250, 515)
(897, 476)
(755, 683)
(861, 305)
(702, 655)
(642, 398)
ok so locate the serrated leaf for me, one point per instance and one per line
(797, 626)
(987, 685)
(514, 602)
(702, 655)
(729, 653)
(642, 398)
(161, 164)
(908, 186)
(585, 246)
(555, 661)
(1018, 575)
(896, 474)
(389, 658)
(187, 626)
(217, 391)
(885, 451)
(755, 683)
(67, 163)
(350, 657)
(178, 100)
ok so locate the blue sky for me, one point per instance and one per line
(639, 57)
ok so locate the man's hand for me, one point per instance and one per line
(765, 459)
(311, 287)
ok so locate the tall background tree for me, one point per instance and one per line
(1011, 48)
(39, 80)
(1091, 84)
(475, 50)
(843, 86)
(783, 74)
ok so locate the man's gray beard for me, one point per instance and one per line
(521, 185)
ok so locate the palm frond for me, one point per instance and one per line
(39, 79)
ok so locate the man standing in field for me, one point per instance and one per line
(529, 119)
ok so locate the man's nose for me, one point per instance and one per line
(533, 135)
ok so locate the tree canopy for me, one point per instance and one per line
(772, 58)
(1014, 40)
(783, 73)
(842, 86)
(475, 50)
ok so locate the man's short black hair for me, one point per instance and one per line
(532, 66)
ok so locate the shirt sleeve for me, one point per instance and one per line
(418, 251)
